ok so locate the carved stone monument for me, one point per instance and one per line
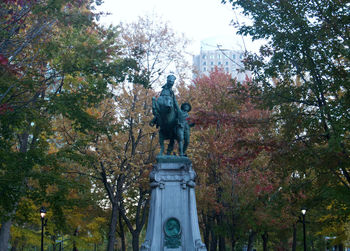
(173, 221)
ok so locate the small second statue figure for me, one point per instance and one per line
(171, 119)
(183, 127)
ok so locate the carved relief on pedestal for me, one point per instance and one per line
(172, 230)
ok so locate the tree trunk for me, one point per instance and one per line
(74, 243)
(140, 218)
(294, 244)
(214, 241)
(6, 225)
(206, 230)
(14, 245)
(53, 240)
(251, 238)
(121, 233)
(265, 239)
(112, 227)
(222, 246)
(135, 241)
(233, 244)
(5, 234)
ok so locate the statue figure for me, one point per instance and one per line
(166, 92)
(167, 88)
(170, 119)
(183, 128)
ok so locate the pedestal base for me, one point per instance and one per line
(173, 221)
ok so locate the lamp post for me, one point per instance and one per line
(42, 216)
(303, 212)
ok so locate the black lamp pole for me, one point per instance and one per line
(42, 215)
(42, 234)
(303, 211)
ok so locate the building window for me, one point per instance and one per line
(219, 56)
(211, 63)
(204, 56)
(219, 63)
(204, 68)
(233, 56)
(226, 63)
(227, 69)
(211, 57)
(212, 68)
(204, 63)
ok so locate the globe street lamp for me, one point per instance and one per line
(303, 212)
(42, 216)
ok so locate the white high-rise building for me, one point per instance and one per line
(213, 54)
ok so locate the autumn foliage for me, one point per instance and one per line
(231, 147)
(75, 103)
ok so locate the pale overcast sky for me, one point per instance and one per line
(197, 19)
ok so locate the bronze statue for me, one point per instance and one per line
(171, 120)
(183, 128)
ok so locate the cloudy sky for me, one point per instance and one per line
(197, 19)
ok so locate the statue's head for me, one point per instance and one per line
(171, 79)
(186, 107)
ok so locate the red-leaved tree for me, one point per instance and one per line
(238, 193)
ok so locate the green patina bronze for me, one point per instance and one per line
(172, 229)
(171, 119)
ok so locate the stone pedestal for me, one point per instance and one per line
(173, 221)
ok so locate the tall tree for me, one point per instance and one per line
(303, 74)
(156, 47)
(140, 147)
(233, 144)
(54, 60)
(119, 157)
